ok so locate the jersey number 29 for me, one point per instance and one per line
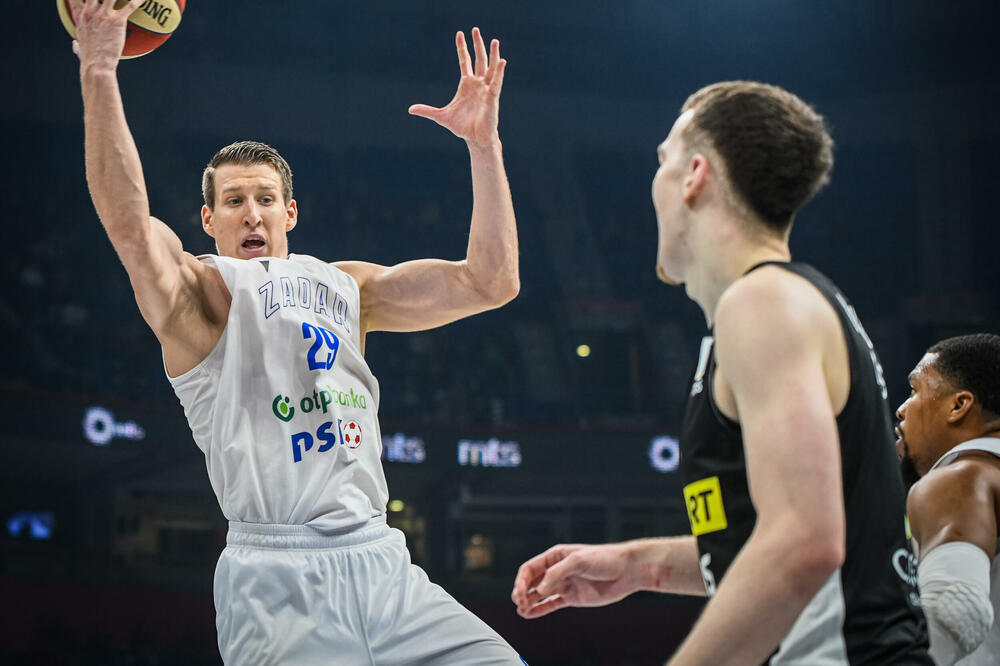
(323, 337)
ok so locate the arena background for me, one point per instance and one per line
(500, 439)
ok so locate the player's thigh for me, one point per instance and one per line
(281, 607)
(414, 621)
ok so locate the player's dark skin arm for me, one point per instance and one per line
(958, 502)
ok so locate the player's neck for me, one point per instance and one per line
(728, 256)
(990, 429)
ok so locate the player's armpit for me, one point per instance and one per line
(420, 294)
(184, 301)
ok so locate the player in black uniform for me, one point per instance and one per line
(792, 484)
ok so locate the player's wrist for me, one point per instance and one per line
(640, 572)
(97, 70)
(488, 146)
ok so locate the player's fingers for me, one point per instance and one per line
(482, 63)
(497, 82)
(549, 605)
(77, 8)
(132, 6)
(491, 71)
(464, 66)
(531, 573)
(533, 597)
(76, 47)
(424, 111)
(528, 575)
(555, 578)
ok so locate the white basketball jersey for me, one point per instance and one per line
(285, 408)
(988, 652)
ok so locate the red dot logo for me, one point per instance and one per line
(352, 434)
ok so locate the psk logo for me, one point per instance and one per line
(348, 434)
(282, 409)
(352, 434)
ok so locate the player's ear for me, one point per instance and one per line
(293, 215)
(206, 221)
(696, 178)
(961, 405)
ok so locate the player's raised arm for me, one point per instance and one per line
(169, 284)
(426, 293)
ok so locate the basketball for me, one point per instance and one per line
(148, 27)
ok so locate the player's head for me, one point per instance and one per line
(249, 207)
(753, 152)
(954, 397)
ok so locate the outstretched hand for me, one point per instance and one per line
(473, 113)
(572, 575)
(100, 30)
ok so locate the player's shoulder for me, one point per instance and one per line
(956, 502)
(972, 473)
(316, 264)
(775, 300)
(361, 271)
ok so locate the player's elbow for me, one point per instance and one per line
(507, 290)
(955, 591)
(500, 290)
(496, 280)
(506, 284)
(822, 559)
(814, 555)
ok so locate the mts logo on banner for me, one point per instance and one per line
(704, 505)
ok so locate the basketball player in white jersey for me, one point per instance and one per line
(949, 438)
(265, 351)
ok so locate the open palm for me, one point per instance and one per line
(472, 114)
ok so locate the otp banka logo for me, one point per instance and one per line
(348, 431)
(284, 409)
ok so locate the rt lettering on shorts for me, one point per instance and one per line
(706, 512)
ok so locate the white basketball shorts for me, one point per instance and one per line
(285, 594)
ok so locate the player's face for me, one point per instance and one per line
(922, 429)
(672, 252)
(251, 218)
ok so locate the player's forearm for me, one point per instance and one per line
(492, 258)
(765, 590)
(666, 564)
(114, 172)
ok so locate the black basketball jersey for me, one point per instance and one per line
(869, 610)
